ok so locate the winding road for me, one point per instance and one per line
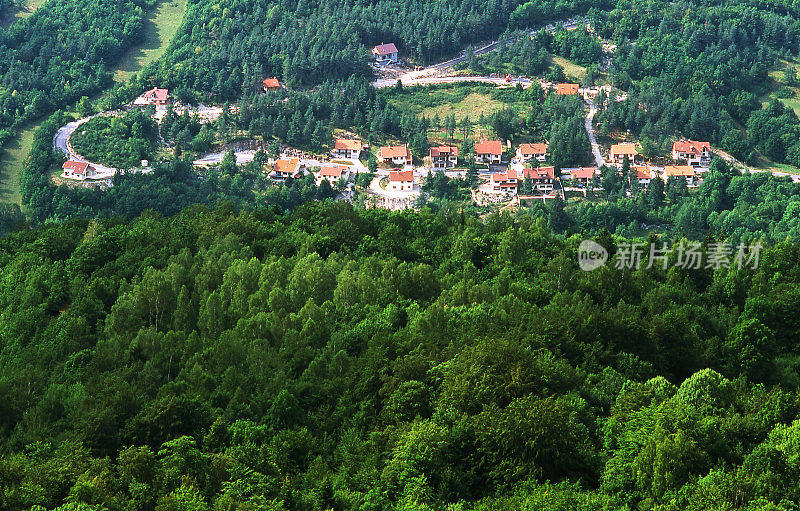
(589, 124)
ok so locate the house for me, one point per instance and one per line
(543, 178)
(583, 175)
(489, 151)
(686, 172)
(530, 152)
(568, 89)
(696, 154)
(385, 53)
(401, 180)
(443, 157)
(271, 84)
(346, 148)
(618, 153)
(398, 155)
(644, 174)
(285, 168)
(154, 96)
(79, 170)
(333, 174)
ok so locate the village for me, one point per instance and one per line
(507, 173)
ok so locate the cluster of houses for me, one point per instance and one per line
(691, 158)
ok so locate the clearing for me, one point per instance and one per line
(12, 160)
(160, 26)
(469, 100)
(29, 8)
(572, 70)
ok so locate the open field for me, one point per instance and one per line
(30, 8)
(12, 159)
(573, 71)
(160, 27)
(460, 100)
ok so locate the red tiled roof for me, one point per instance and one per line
(584, 173)
(533, 148)
(156, 94)
(690, 146)
(539, 173)
(271, 83)
(494, 147)
(444, 151)
(644, 173)
(567, 88)
(345, 144)
(335, 171)
(398, 151)
(623, 149)
(291, 166)
(77, 167)
(679, 170)
(384, 49)
(401, 175)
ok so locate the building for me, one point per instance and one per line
(686, 172)
(618, 153)
(568, 89)
(644, 174)
(443, 157)
(489, 151)
(271, 85)
(401, 180)
(79, 170)
(542, 179)
(333, 174)
(154, 96)
(529, 152)
(583, 175)
(385, 53)
(346, 148)
(397, 155)
(696, 154)
(285, 168)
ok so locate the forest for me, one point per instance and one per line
(118, 141)
(341, 358)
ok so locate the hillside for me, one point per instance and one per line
(342, 359)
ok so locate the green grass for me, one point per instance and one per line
(160, 27)
(458, 99)
(573, 71)
(12, 160)
(30, 8)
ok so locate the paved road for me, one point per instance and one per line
(598, 156)
(409, 79)
(61, 143)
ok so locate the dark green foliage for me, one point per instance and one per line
(351, 359)
(120, 142)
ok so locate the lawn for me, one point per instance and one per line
(160, 27)
(471, 100)
(572, 70)
(12, 160)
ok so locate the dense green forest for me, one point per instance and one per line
(336, 358)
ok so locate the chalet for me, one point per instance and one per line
(583, 175)
(543, 178)
(443, 157)
(530, 152)
(686, 172)
(79, 170)
(696, 154)
(346, 148)
(398, 155)
(285, 168)
(385, 53)
(401, 180)
(154, 96)
(333, 174)
(489, 151)
(644, 174)
(618, 153)
(271, 85)
(568, 89)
